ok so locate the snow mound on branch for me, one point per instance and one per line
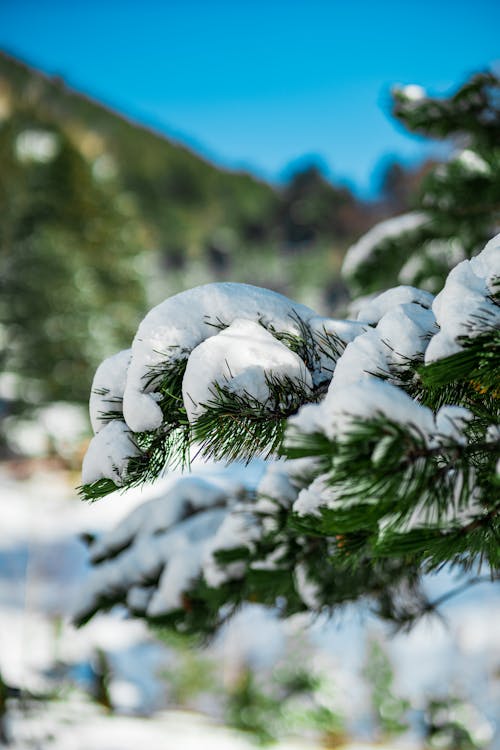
(326, 330)
(188, 495)
(412, 91)
(152, 573)
(370, 399)
(361, 252)
(108, 454)
(242, 358)
(464, 307)
(307, 588)
(175, 327)
(366, 400)
(400, 337)
(108, 387)
(150, 560)
(239, 529)
(405, 325)
(376, 307)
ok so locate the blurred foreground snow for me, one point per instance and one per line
(42, 566)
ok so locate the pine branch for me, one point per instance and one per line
(478, 363)
(238, 426)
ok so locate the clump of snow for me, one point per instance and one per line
(316, 495)
(238, 529)
(450, 424)
(472, 162)
(276, 486)
(170, 560)
(108, 454)
(413, 92)
(376, 307)
(242, 358)
(155, 553)
(307, 589)
(370, 399)
(108, 387)
(189, 494)
(464, 307)
(175, 327)
(330, 336)
(406, 330)
(400, 337)
(362, 250)
(449, 251)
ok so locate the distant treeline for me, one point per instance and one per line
(101, 216)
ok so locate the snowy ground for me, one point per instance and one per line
(42, 564)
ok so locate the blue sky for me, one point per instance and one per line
(261, 84)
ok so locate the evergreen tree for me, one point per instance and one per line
(457, 208)
(386, 429)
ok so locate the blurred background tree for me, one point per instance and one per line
(72, 284)
(457, 204)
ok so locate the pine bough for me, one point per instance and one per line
(385, 432)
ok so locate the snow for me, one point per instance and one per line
(361, 252)
(153, 555)
(188, 494)
(276, 486)
(472, 162)
(177, 326)
(307, 589)
(238, 529)
(242, 357)
(108, 454)
(401, 336)
(108, 386)
(450, 423)
(173, 558)
(370, 399)
(76, 724)
(406, 330)
(318, 494)
(451, 251)
(376, 307)
(337, 333)
(413, 92)
(44, 509)
(463, 307)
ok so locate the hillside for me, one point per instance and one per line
(169, 182)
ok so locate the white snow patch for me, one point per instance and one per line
(242, 358)
(361, 252)
(413, 92)
(175, 327)
(108, 454)
(463, 307)
(376, 307)
(108, 387)
(307, 589)
(472, 162)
